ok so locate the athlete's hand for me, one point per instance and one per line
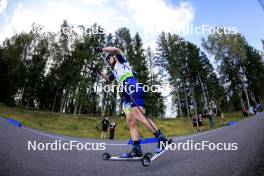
(98, 50)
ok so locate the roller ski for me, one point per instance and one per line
(144, 158)
(135, 155)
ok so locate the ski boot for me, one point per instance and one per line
(136, 151)
(163, 142)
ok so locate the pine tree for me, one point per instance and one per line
(229, 50)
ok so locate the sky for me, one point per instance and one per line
(148, 17)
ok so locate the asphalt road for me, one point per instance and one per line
(16, 159)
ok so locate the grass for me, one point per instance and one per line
(90, 127)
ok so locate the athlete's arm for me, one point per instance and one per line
(106, 77)
(119, 54)
(113, 50)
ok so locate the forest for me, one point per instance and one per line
(54, 72)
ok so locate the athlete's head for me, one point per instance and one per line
(111, 59)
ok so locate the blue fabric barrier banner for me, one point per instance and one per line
(231, 123)
(145, 141)
(14, 122)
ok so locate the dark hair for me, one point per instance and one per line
(108, 56)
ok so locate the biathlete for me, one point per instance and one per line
(133, 102)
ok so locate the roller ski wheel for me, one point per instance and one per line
(146, 160)
(106, 156)
(148, 155)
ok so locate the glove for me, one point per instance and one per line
(98, 50)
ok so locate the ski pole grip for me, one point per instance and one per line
(98, 50)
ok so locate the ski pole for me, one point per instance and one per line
(111, 94)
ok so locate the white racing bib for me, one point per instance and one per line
(123, 71)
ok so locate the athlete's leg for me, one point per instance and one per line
(142, 119)
(131, 121)
(132, 124)
(157, 133)
(136, 98)
(134, 93)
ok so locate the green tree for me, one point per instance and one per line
(229, 50)
(254, 70)
(171, 61)
(13, 66)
